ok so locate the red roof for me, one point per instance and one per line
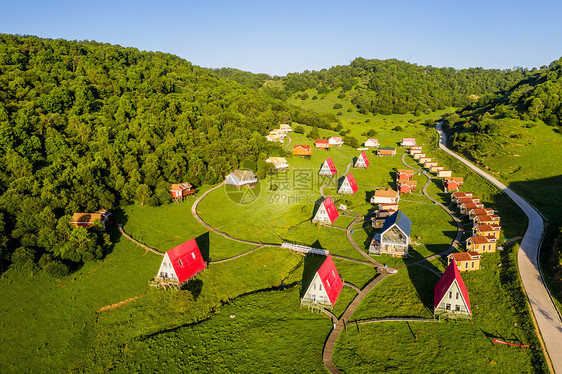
(403, 177)
(186, 260)
(330, 279)
(363, 155)
(321, 141)
(330, 209)
(450, 275)
(352, 183)
(331, 165)
(404, 188)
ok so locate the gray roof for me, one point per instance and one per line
(400, 220)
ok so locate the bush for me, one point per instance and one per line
(299, 129)
(398, 128)
(337, 106)
(341, 96)
(314, 97)
(339, 114)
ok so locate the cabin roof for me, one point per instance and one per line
(363, 155)
(479, 239)
(465, 256)
(181, 186)
(321, 141)
(389, 192)
(352, 182)
(331, 165)
(330, 209)
(186, 260)
(450, 275)
(399, 219)
(330, 278)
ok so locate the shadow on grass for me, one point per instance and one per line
(203, 242)
(311, 265)
(369, 195)
(424, 282)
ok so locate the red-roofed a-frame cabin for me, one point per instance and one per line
(362, 161)
(325, 287)
(180, 264)
(328, 168)
(326, 213)
(450, 296)
(348, 186)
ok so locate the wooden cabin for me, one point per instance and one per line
(417, 156)
(241, 178)
(371, 143)
(423, 160)
(302, 150)
(435, 169)
(466, 261)
(362, 161)
(403, 175)
(481, 244)
(408, 142)
(452, 183)
(459, 195)
(323, 288)
(479, 212)
(348, 186)
(386, 151)
(464, 200)
(179, 191)
(415, 149)
(394, 238)
(326, 212)
(180, 264)
(380, 217)
(322, 143)
(487, 230)
(328, 168)
(429, 164)
(285, 128)
(487, 219)
(450, 296)
(280, 163)
(388, 206)
(335, 141)
(407, 186)
(387, 196)
(466, 207)
(90, 219)
(444, 173)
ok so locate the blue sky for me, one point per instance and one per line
(293, 36)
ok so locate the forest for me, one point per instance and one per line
(536, 97)
(87, 126)
(389, 86)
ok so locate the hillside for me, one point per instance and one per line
(87, 126)
(388, 86)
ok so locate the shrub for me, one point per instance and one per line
(339, 114)
(341, 96)
(299, 129)
(337, 106)
(398, 128)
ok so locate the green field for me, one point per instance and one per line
(192, 330)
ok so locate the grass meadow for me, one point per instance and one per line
(54, 326)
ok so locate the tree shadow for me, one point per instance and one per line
(203, 242)
(354, 160)
(369, 195)
(312, 263)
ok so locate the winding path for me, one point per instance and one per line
(211, 228)
(546, 315)
(340, 324)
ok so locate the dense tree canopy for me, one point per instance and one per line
(391, 86)
(536, 97)
(85, 126)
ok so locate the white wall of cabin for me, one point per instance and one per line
(316, 291)
(166, 267)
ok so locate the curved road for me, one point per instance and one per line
(546, 315)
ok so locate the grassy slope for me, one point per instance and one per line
(130, 338)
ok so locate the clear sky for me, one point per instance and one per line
(278, 37)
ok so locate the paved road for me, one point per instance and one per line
(545, 312)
